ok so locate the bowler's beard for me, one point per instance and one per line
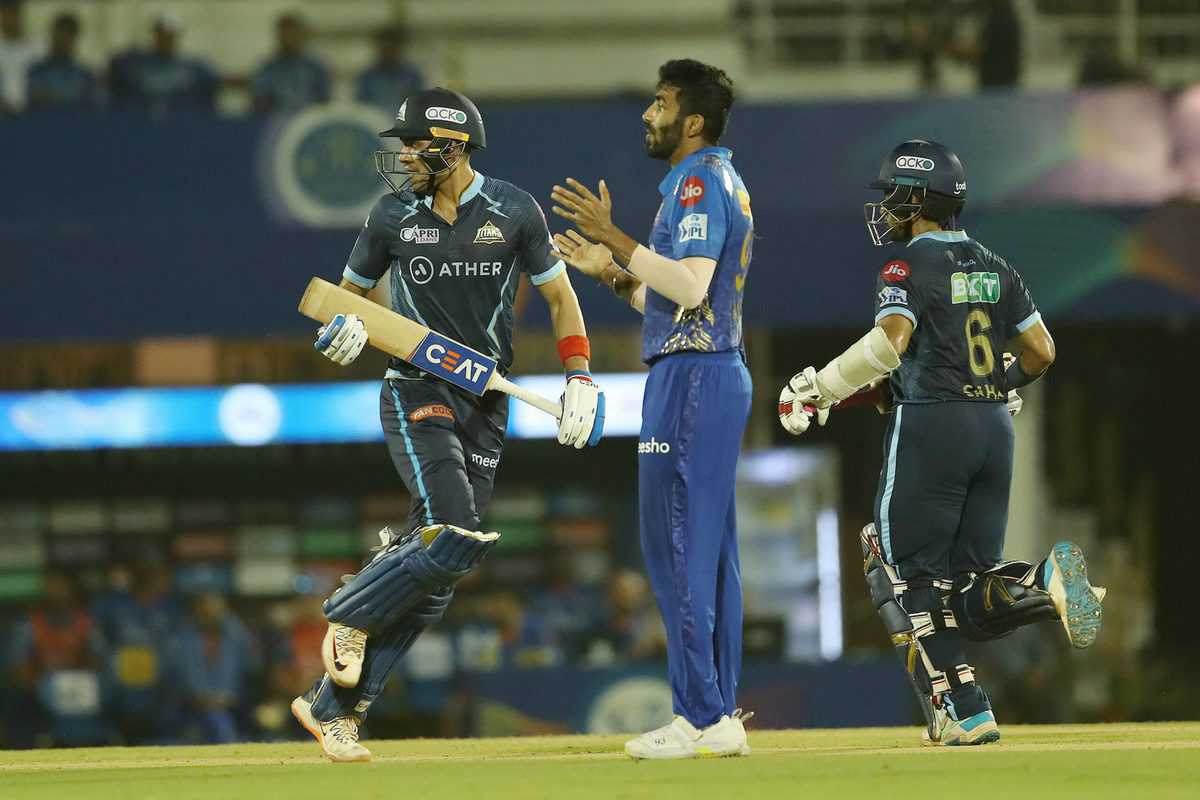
(664, 141)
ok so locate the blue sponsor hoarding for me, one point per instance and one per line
(251, 415)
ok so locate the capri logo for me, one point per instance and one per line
(915, 162)
(653, 448)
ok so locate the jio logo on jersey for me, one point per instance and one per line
(420, 269)
(895, 271)
(691, 192)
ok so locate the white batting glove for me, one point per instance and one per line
(800, 401)
(1014, 400)
(582, 422)
(342, 339)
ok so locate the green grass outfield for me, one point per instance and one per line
(1087, 761)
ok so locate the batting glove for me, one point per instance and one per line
(1014, 400)
(582, 422)
(800, 401)
(342, 339)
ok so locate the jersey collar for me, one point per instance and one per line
(467, 196)
(940, 236)
(668, 183)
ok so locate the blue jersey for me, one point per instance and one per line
(705, 212)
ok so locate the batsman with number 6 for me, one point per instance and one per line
(456, 243)
(945, 310)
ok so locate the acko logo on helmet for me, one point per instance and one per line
(915, 162)
(441, 113)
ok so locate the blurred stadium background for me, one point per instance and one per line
(172, 175)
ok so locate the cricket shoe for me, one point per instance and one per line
(726, 737)
(1077, 601)
(338, 738)
(680, 739)
(979, 728)
(342, 652)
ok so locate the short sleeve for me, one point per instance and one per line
(538, 255)
(699, 214)
(896, 292)
(370, 257)
(1022, 313)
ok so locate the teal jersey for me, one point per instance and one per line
(965, 304)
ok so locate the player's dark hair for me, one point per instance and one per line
(703, 90)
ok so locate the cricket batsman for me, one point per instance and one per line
(688, 283)
(945, 309)
(457, 243)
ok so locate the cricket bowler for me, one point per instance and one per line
(688, 283)
(457, 243)
(946, 307)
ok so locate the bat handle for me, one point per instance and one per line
(534, 399)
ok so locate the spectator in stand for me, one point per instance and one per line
(138, 617)
(160, 79)
(57, 634)
(391, 78)
(292, 79)
(58, 639)
(59, 81)
(17, 54)
(995, 51)
(214, 661)
(296, 649)
(631, 629)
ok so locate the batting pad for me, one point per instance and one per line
(407, 572)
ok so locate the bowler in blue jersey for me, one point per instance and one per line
(688, 282)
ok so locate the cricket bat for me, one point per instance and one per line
(400, 336)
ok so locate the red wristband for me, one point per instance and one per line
(570, 346)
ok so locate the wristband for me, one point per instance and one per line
(570, 346)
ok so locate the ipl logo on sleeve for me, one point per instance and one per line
(694, 226)
(454, 362)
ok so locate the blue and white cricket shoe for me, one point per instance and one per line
(979, 728)
(1077, 601)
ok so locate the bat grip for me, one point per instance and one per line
(524, 395)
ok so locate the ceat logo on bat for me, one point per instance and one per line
(895, 271)
(691, 192)
(454, 362)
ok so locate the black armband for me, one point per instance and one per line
(1016, 376)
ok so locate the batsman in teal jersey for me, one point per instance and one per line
(945, 309)
(456, 244)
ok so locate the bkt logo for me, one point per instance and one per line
(443, 113)
(914, 162)
(653, 447)
(454, 362)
